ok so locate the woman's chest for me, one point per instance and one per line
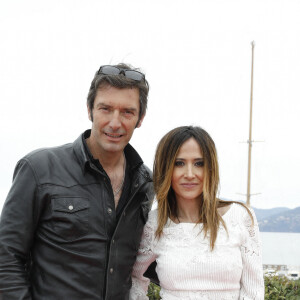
(184, 252)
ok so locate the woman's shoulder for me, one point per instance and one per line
(153, 214)
(239, 207)
(152, 217)
(239, 211)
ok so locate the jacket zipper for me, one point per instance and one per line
(129, 201)
(122, 215)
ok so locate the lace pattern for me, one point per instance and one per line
(188, 270)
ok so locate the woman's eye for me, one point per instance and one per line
(179, 163)
(199, 163)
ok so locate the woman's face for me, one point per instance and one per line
(188, 173)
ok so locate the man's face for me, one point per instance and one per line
(115, 116)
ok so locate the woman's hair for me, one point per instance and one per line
(165, 157)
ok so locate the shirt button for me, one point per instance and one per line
(111, 270)
(71, 207)
(136, 185)
(113, 241)
(109, 210)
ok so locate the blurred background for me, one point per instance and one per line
(197, 58)
(196, 55)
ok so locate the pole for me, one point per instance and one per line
(250, 131)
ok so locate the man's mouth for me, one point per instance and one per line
(114, 135)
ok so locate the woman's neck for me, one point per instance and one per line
(188, 211)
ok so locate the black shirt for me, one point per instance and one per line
(127, 182)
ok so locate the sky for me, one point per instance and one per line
(197, 58)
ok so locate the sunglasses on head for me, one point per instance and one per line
(112, 70)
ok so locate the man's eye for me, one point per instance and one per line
(128, 112)
(179, 163)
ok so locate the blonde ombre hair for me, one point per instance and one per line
(165, 157)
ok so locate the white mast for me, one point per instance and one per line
(250, 132)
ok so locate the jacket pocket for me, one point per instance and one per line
(70, 217)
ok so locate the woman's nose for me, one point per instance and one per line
(189, 172)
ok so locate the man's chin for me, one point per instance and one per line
(114, 147)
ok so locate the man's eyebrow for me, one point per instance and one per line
(102, 104)
(108, 106)
(130, 108)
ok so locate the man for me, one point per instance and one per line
(72, 221)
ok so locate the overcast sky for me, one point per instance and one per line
(197, 58)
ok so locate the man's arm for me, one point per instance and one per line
(151, 273)
(17, 227)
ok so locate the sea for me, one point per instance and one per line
(281, 248)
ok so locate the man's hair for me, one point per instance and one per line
(121, 82)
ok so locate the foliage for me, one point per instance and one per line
(153, 292)
(276, 288)
(281, 288)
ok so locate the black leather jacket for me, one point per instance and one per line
(59, 236)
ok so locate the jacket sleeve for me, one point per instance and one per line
(17, 226)
(145, 257)
(252, 281)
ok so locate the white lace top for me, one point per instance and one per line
(188, 270)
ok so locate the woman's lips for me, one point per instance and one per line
(189, 185)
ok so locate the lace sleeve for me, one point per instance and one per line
(144, 258)
(252, 281)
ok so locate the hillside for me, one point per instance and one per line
(278, 219)
(266, 213)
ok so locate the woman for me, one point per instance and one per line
(205, 248)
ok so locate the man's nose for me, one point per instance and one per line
(115, 122)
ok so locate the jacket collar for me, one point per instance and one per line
(82, 153)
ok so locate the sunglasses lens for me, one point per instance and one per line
(135, 75)
(109, 70)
